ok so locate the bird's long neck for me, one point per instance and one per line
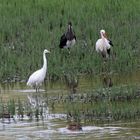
(70, 33)
(102, 36)
(44, 62)
(105, 40)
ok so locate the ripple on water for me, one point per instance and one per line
(28, 131)
(87, 129)
(29, 90)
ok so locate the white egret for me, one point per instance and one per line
(37, 78)
(103, 44)
(68, 39)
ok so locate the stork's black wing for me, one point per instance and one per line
(75, 37)
(63, 41)
(110, 42)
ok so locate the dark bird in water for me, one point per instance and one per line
(103, 45)
(74, 127)
(68, 39)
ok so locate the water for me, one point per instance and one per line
(54, 125)
(54, 128)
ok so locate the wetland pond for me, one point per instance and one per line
(50, 120)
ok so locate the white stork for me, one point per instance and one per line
(103, 44)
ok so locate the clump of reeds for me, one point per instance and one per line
(116, 103)
(71, 81)
(32, 22)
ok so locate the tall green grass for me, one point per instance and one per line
(28, 27)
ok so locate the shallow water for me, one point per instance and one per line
(54, 125)
(54, 128)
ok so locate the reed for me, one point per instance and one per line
(101, 105)
(20, 109)
(28, 27)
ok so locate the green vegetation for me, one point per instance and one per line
(102, 105)
(107, 104)
(12, 108)
(27, 27)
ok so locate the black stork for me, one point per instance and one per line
(68, 39)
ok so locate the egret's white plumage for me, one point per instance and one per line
(103, 44)
(36, 79)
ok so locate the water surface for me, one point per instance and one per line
(54, 124)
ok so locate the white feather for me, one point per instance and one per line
(37, 78)
(70, 43)
(102, 44)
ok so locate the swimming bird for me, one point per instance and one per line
(103, 45)
(68, 39)
(37, 78)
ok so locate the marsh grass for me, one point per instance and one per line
(101, 105)
(28, 27)
(19, 109)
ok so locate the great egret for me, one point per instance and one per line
(103, 44)
(68, 39)
(36, 79)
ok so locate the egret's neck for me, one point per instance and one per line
(45, 62)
